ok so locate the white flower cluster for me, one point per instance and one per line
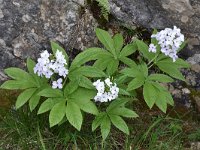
(107, 90)
(169, 40)
(48, 67)
(43, 65)
(57, 84)
(58, 66)
(152, 48)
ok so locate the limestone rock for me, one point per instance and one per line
(27, 27)
(161, 14)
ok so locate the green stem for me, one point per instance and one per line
(153, 59)
(64, 81)
(150, 66)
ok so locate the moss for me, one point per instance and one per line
(8, 97)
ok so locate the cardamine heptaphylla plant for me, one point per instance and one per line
(69, 89)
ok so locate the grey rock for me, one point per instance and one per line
(161, 14)
(26, 18)
(191, 79)
(194, 59)
(27, 27)
(196, 68)
(194, 75)
(1, 14)
(3, 76)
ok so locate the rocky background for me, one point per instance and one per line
(27, 26)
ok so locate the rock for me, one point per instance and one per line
(194, 60)
(186, 91)
(196, 68)
(160, 14)
(193, 75)
(27, 27)
(26, 18)
(197, 101)
(1, 14)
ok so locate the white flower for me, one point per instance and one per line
(152, 48)
(48, 67)
(107, 91)
(108, 82)
(42, 67)
(57, 84)
(63, 72)
(60, 58)
(169, 40)
(45, 54)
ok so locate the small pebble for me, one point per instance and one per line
(26, 18)
(186, 91)
(16, 4)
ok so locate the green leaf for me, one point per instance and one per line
(153, 40)
(132, 72)
(169, 98)
(122, 79)
(105, 8)
(30, 65)
(49, 92)
(57, 113)
(105, 38)
(150, 94)
(160, 78)
(161, 102)
(144, 69)
(89, 107)
(105, 127)
(33, 102)
(124, 92)
(171, 70)
(118, 42)
(128, 50)
(179, 63)
(119, 123)
(158, 86)
(88, 55)
(48, 105)
(127, 61)
(24, 97)
(55, 47)
(97, 121)
(103, 62)
(143, 48)
(112, 67)
(86, 83)
(162, 57)
(116, 103)
(82, 95)
(74, 115)
(71, 87)
(88, 71)
(82, 98)
(124, 112)
(17, 73)
(16, 84)
(135, 83)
